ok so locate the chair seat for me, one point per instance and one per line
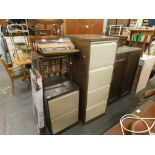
(27, 71)
(20, 72)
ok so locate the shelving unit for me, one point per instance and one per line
(111, 27)
(133, 23)
(145, 22)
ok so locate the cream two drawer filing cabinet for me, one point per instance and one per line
(61, 104)
(94, 68)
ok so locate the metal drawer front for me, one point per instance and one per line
(102, 55)
(95, 111)
(64, 121)
(99, 77)
(63, 104)
(97, 96)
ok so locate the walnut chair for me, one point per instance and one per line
(16, 73)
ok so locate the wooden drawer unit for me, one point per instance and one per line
(94, 69)
(61, 104)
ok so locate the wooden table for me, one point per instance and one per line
(23, 60)
(33, 39)
(46, 48)
(56, 52)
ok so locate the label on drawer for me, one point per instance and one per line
(97, 96)
(99, 77)
(102, 55)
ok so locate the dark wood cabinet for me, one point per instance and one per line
(116, 85)
(125, 67)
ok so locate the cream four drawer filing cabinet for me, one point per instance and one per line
(94, 68)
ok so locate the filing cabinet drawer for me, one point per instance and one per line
(97, 96)
(63, 104)
(95, 111)
(102, 55)
(64, 121)
(99, 77)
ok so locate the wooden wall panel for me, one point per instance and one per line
(3, 22)
(84, 26)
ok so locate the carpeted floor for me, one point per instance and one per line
(16, 113)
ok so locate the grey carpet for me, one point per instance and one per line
(16, 112)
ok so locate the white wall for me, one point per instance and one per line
(105, 25)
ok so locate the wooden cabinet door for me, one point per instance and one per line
(123, 75)
(118, 75)
(3, 22)
(132, 64)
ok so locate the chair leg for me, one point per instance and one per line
(29, 82)
(13, 87)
